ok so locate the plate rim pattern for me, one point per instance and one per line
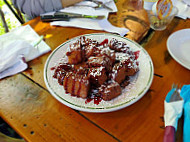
(98, 109)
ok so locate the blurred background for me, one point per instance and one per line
(10, 19)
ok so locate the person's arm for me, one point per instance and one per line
(66, 3)
(34, 8)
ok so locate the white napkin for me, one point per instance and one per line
(172, 109)
(172, 112)
(95, 24)
(183, 8)
(17, 47)
(187, 2)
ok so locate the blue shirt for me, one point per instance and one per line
(34, 8)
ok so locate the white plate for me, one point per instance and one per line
(178, 45)
(139, 85)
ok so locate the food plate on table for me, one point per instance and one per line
(136, 89)
(178, 45)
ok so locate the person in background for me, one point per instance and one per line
(33, 8)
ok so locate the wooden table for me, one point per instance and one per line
(27, 105)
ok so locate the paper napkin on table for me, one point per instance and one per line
(185, 94)
(94, 24)
(172, 112)
(18, 47)
(183, 8)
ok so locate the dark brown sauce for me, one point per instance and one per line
(52, 68)
(104, 42)
(65, 84)
(88, 100)
(97, 100)
(136, 53)
(68, 53)
(94, 95)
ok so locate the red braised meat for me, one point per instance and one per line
(97, 71)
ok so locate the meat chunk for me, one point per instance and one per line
(125, 67)
(106, 52)
(99, 62)
(90, 50)
(76, 84)
(75, 54)
(110, 90)
(125, 82)
(60, 72)
(128, 60)
(85, 87)
(79, 66)
(87, 41)
(118, 73)
(97, 75)
(95, 62)
(89, 46)
(131, 67)
(118, 46)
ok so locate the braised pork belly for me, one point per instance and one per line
(97, 69)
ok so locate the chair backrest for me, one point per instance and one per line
(4, 21)
(15, 11)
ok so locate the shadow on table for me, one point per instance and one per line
(7, 134)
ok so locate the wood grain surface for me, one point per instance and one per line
(29, 108)
(37, 116)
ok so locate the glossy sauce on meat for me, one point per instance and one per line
(97, 71)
